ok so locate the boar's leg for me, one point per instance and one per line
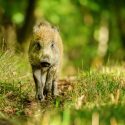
(49, 79)
(39, 83)
(54, 88)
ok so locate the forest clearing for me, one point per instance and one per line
(92, 43)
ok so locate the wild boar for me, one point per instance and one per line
(45, 56)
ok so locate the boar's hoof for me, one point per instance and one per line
(55, 95)
(40, 97)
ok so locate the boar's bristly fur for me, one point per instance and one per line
(45, 56)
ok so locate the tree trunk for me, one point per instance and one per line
(24, 32)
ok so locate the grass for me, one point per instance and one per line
(94, 97)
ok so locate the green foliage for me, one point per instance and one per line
(14, 9)
(80, 23)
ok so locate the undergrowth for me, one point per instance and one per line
(93, 97)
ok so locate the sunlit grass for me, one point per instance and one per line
(15, 83)
(93, 97)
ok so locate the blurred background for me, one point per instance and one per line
(93, 32)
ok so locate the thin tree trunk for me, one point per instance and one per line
(120, 21)
(24, 32)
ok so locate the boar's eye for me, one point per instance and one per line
(37, 46)
(52, 44)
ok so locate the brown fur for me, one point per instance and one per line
(44, 34)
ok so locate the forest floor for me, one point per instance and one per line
(92, 97)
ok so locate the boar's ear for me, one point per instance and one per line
(43, 23)
(40, 24)
(35, 28)
(56, 28)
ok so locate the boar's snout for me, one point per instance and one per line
(45, 60)
(45, 64)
